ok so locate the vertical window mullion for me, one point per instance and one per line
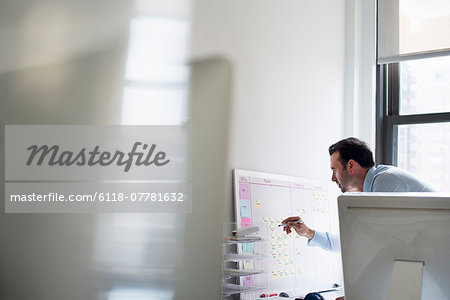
(394, 90)
(380, 114)
(393, 109)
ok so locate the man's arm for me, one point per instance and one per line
(326, 240)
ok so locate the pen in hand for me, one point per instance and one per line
(285, 224)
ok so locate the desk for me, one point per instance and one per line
(327, 296)
(333, 295)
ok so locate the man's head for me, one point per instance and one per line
(349, 160)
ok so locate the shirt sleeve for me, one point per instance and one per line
(326, 241)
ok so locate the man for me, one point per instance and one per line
(354, 170)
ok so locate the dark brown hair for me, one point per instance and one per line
(353, 148)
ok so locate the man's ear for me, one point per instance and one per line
(351, 166)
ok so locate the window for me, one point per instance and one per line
(413, 88)
(413, 118)
(424, 86)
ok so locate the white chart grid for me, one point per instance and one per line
(267, 199)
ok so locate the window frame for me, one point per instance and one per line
(388, 114)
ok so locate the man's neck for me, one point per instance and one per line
(359, 183)
(364, 174)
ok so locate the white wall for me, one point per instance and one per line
(360, 57)
(288, 80)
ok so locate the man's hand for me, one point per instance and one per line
(340, 298)
(301, 228)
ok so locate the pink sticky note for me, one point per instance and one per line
(244, 191)
(248, 280)
(245, 222)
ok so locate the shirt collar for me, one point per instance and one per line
(367, 187)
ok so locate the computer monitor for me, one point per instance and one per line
(378, 230)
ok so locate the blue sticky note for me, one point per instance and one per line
(245, 209)
(247, 248)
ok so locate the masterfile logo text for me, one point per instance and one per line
(91, 158)
(146, 166)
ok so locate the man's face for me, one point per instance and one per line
(340, 174)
